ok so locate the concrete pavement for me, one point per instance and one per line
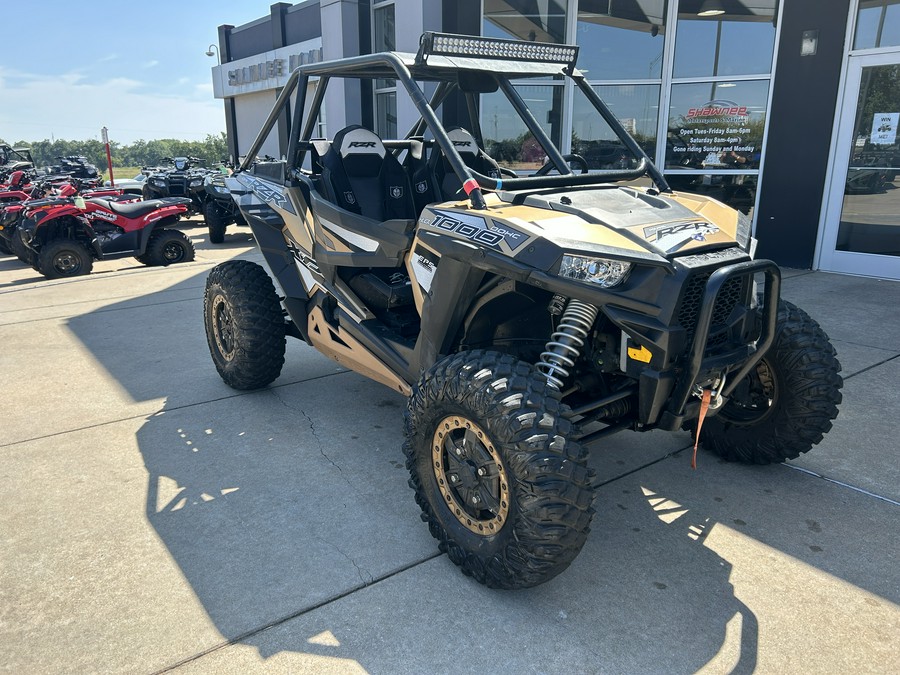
(152, 519)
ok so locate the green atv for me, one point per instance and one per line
(526, 317)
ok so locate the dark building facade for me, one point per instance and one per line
(785, 109)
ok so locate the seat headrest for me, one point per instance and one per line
(463, 141)
(357, 140)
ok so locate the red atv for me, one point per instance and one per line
(19, 194)
(66, 235)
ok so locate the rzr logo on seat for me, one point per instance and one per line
(462, 144)
(362, 144)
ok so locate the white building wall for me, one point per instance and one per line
(251, 110)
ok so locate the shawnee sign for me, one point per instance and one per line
(265, 71)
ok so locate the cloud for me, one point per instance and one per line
(74, 107)
(150, 64)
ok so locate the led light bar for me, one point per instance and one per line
(448, 44)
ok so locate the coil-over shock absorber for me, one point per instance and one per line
(566, 342)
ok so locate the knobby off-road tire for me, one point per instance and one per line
(4, 247)
(215, 223)
(787, 403)
(21, 251)
(64, 258)
(167, 247)
(484, 425)
(244, 323)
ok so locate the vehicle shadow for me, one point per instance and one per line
(288, 514)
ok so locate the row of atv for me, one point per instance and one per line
(59, 225)
(204, 187)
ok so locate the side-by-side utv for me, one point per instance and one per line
(526, 317)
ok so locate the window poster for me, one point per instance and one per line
(884, 128)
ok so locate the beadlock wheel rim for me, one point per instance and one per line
(223, 327)
(470, 475)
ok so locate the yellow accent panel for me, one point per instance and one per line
(643, 354)
(556, 226)
(339, 345)
(722, 216)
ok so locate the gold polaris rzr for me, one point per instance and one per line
(525, 317)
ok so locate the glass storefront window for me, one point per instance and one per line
(621, 41)
(386, 114)
(738, 191)
(716, 125)
(739, 41)
(543, 21)
(635, 106)
(507, 139)
(384, 39)
(877, 24)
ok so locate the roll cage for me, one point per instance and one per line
(470, 65)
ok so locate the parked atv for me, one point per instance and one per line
(75, 166)
(525, 317)
(181, 177)
(66, 235)
(220, 210)
(15, 200)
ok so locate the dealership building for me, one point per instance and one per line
(785, 109)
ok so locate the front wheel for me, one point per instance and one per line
(21, 251)
(167, 247)
(64, 258)
(787, 403)
(215, 223)
(503, 489)
(244, 323)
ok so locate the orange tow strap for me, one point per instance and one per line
(704, 406)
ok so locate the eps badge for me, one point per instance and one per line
(396, 191)
(350, 197)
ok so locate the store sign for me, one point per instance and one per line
(265, 71)
(716, 135)
(272, 69)
(884, 128)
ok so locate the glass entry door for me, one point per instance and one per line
(862, 226)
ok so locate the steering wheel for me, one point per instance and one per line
(573, 158)
(509, 173)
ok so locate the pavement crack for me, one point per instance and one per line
(366, 577)
(312, 427)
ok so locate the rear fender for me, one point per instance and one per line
(156, 224)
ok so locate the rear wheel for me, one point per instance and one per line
(244, 323)
(787, 403)
(501, 486)
(215, 223)
(167, 247)
(64, 258)
(4, 247)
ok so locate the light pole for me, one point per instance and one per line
(213, 50)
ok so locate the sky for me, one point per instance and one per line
(138, 68)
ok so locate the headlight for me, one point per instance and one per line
(157, 181)
(604, 272)
(196, 182)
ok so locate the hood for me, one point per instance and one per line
(633, 220)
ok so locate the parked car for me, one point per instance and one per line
(130, 186)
